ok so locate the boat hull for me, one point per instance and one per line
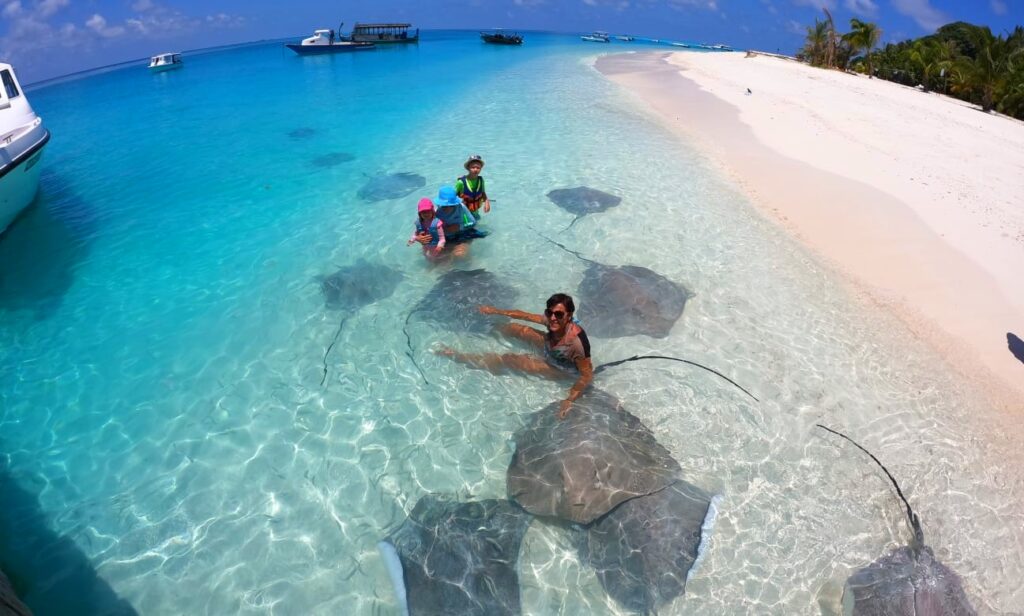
(505, 40)
(594, 39)
(19, 176)
(163, 68)
(316, 50)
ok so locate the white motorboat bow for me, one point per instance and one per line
(22, 139)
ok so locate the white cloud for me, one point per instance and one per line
(998, 7)
(141, 6)
(224, 20)
(921, 11)
(816, 4)
(862, 7)
(98, 24)
(711, 5)
(528, 2)
(47, 8)
(13, 9)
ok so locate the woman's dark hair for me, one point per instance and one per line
(561, 298)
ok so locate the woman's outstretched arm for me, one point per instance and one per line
(514, 314)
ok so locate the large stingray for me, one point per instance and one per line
(582, 201)
(304, 132)
(391, 186)
(644, 549)
(332, 159)
(457, 558)
(627, 300)
(452, 303)
(579, 468)
(352, 287)
(909, 581)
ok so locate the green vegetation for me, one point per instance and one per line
(960, 59)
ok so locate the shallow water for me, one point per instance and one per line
(162, 336)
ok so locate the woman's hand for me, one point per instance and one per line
(485, 309)
(564, 408)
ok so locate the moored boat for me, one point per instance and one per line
(625, 38)
(325, 41)
(165, 62)
(22, 139)
(383, 33)
(596, 37)
(501, 38)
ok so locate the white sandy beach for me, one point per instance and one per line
(916, 198)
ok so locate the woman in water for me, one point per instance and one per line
(565, 347)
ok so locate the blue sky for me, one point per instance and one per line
(48, 38)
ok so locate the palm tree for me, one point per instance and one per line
(831, 40)
(814, 46)
(863, 36)
(930, 58)
(989, 72)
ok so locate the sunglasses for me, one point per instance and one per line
(558, 314)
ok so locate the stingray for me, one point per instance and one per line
(908, 581)
(580, 467)
(1016, 345)
(627, 300)
(457, 558)
(392, 186)
(644, 549)
(302, 133)
(332, 160)
(582, 201)
(352, 287)
(452, 303)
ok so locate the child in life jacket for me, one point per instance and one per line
(428, 230)
(470, 187)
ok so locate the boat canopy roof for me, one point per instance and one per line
(367, 27)
(168, 55)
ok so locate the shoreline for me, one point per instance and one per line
(942, 267)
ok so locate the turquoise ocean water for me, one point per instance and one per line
(165, 443)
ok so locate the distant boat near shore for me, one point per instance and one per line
(324, 41)
(501, 38)
(596, 37)
(165, 62)
(625, 38)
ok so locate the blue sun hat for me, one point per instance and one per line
(446, 197)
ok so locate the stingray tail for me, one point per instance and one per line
(572, 252)
(411, 351)
(569, 226)
(331, 346)
(915, 523)
(685, 361)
